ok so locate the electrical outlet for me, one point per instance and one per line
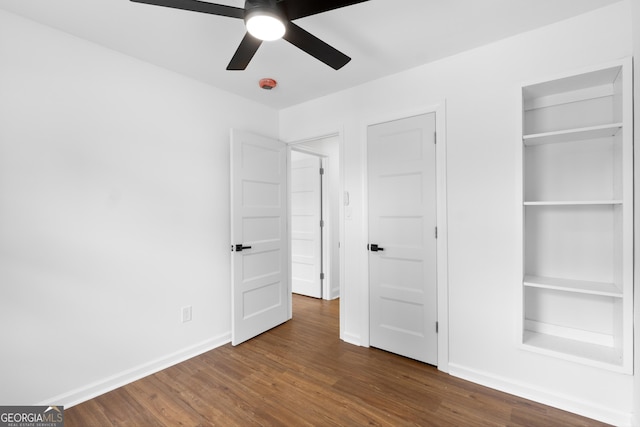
(186, 314)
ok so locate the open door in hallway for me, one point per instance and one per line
(306, 224)
(402, 237)
(260, 249)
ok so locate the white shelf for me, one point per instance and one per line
(577, 216)
(574, 83)
(573, 202)
(584, 352)
(577, 286)
(569, 135)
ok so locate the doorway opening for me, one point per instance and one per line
(315, 217)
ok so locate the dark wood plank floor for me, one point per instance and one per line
(301, 374)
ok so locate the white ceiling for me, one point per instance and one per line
(381, 36)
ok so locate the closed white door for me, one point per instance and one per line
(260, 250)
(306, 230)
(402, 237)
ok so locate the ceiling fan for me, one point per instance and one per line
(271, 20)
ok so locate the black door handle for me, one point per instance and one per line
(376, 248)
(239, 247)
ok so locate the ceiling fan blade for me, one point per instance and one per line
(315, 47)
(198, 6)
(248, 47)
(295, 9)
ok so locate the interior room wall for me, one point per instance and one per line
(482, 92)
(636, 50)
(114, 189)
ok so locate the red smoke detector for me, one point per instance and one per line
(267, 84)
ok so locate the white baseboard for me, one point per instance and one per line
(82, 394)
(351, 339)
(546, 397)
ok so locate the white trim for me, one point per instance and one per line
(443, 237)
(342, 236)
(518, 215)
(307, 150)
(364, 222)
(352, 339)
(600, 91)
(577, 71)
(105, 385)
(327, 135)
(544, 396)
(288, 221)
(439, 109)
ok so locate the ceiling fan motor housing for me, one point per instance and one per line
(262, 7)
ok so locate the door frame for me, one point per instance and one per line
(439, 108)
(338, 134)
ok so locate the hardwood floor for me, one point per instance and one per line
(301, 374)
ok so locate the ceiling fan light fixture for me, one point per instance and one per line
(270, 20)
(265, 26)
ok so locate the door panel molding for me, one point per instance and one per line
(402, 214)
(260, 290)
(306, 232)
(439, 108)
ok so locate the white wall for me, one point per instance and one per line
(114, 189)
(636, 51)
(481, 88)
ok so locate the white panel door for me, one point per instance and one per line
(402, 237)
(259, 261)
(306, 232)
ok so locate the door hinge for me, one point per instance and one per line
(436, 327)
(436, 233)
(321, 223)
(321, 171)
(435, 137)
(321, 276)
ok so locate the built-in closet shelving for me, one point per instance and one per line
(577, 204)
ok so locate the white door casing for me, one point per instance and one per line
(306, 232)
(402, 223)
(260, 297)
